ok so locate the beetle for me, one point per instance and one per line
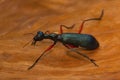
(69, 40)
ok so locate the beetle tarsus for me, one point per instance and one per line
(93, 61)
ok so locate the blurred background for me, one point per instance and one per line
(19, 17)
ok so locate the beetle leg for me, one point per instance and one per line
(47, 32)
(91, 60)
(70, 46)
(61, 30)
(99, 18)
(72, 49)
(50, 47)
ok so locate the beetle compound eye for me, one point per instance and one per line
(40, 33)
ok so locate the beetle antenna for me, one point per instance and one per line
(27, 43)
(29, 33)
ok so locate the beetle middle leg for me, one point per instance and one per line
(61, 30)
(47, 32)
(73, 49)
(99, 18)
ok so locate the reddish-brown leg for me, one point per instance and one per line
(81, 27)
(70, 46)
(50, 47)
(61, 30)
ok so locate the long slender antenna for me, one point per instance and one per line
(29, 33)
(27, 43)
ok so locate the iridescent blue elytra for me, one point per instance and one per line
(79, 40)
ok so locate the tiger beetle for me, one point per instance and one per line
(69, 40)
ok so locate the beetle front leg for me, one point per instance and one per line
(50, 47)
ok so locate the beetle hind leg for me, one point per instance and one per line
(91, 60)
(73, 49)
(99, 18)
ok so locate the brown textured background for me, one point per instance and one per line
(18, 17)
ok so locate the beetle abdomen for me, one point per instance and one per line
(89, 42)
(83, 40)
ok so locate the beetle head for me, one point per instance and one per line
(38, 37)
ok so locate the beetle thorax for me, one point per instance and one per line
(51, 36)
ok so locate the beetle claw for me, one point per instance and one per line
(93, 61)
